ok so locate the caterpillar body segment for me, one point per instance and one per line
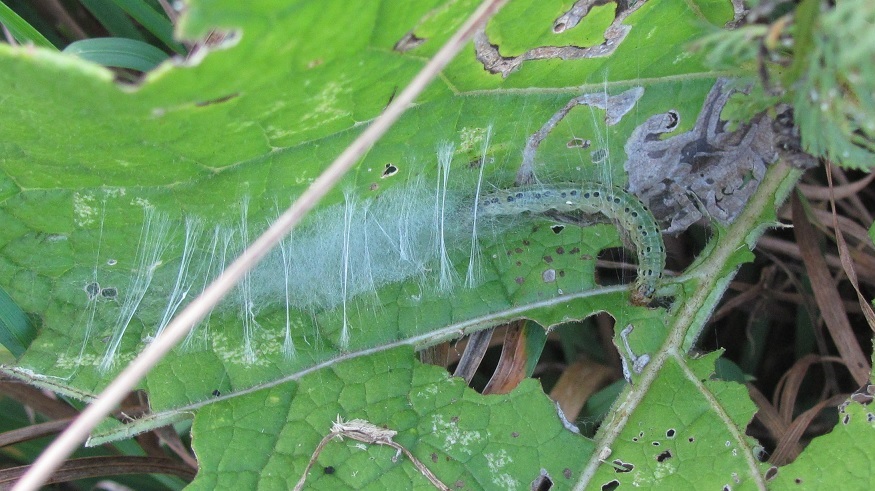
(624, 209)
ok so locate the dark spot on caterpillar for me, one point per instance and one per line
(510, 199)
(216, 393)
(519, 280)
(586, 195)
(596, 194)
(518, 263)
(560, 250)
(548, 259)
(573, 193)
(109, 292)
(634, 214)
(562, 273)
(518, 250)
(557, 228)
(526, 242)
(616, 200)
(329, 469)
(519, 195)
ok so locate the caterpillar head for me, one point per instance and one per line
(642, 293)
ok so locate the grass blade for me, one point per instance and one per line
(113, 19)
(23, 32)
(118, 52)
(154, 22)
(16, 331)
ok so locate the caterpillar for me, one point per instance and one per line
(635, 221)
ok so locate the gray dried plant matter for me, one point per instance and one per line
(707, 172)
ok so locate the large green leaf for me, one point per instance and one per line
(197, 141)
(247, 125)
(848, 446)
(465, 439)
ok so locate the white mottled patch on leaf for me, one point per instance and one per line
(84, 209)
(454, 437)
(497, 462)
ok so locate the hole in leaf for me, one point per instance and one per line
(542, 482)
(662, 457)
(578, 143)
(611, 485)
(92, 289)
(389, 171)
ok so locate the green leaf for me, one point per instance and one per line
(847, 448)
(217, 139)
(23, 32)
(835, 97)
(657, 447)
(464, 438)
(154, 22)
(118, 52)
(254, 121)
(113, 19)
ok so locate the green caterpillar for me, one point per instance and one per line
(635, 221)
